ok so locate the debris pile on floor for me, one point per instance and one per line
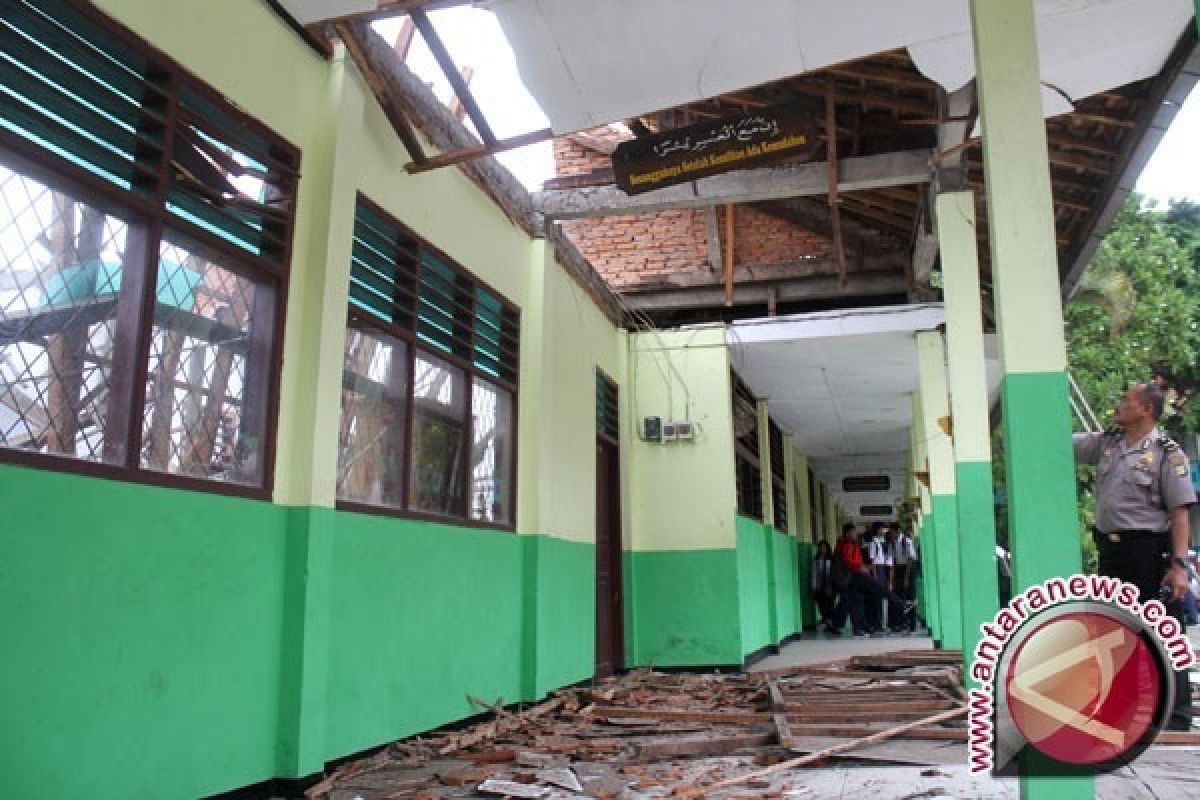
(655, 734)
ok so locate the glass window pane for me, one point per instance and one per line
(491, 453)
(371, 438)
(439, 411)
(60, 276)
(208, 374)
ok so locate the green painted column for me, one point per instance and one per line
(930, 574)
(766, 487)
(935, 407)
(1039, 464)
(967, 371)
(789, 484)
(310, 407)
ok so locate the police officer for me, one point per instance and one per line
(1143, 491)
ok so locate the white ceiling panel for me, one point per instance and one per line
(841, 383)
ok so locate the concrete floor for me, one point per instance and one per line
(1160, 773)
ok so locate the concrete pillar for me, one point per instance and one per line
(1039, 464)
(791, 500)
(935, 409)
(967, 370)
(926, 538)
(309, 415)
(804, 499)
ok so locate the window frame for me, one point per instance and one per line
(416, 345)
(149, 219)
(746, 456)
(778, 476)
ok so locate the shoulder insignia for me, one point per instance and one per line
(1169, 444)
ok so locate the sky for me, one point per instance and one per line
(474, 39)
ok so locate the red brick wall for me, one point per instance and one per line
(642, 249)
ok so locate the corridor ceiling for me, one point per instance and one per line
(673, 53)
(842, 382)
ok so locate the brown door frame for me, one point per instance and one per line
(610, 654)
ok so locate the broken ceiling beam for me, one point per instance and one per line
(766, 273)
(1165, 98)
(825, 287)
(419, 104)
(464, 154)
(741, 186)
(442, 56)
(355, 45)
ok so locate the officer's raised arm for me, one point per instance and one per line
(1088, 447)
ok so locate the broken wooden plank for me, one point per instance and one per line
(779, 716)
(683, 715)
(813, 757)
(472, 152)
(907, 677)
(900, 706)
(692, 746)
(856, 731)
(512, 789)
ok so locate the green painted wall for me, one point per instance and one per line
(808, 607)
(787, 585)
(687, 612)
(754, 589)
(162, 628)
(143, 627)
(422, 614)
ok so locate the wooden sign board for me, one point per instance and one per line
(685, 154)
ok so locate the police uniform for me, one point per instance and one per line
(1137, 487)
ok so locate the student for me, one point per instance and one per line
(851, 573)
(821, 583)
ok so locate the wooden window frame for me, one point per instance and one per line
(144, 208)
(744, 454)
(471, 372)
(778, 475)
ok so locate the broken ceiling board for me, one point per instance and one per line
(706, 48)
(307, 12)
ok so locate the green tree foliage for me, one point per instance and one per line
(1137, 312)
(1138, 309)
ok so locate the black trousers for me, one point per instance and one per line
(861, 588)
(1143, 561)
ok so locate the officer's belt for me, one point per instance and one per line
(1116, 537)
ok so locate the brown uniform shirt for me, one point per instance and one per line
(1137, 486)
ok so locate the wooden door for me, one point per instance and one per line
(610, 651)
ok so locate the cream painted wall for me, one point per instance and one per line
(278, 80)
(347, 144)
(445, 208)
(804, 521)
(682, 495)
(560, 421)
